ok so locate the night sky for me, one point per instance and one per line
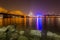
(51, 7)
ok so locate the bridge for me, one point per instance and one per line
(11, 15)
(6, 16)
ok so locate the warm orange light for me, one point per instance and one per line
(3, 10)
(16, 12)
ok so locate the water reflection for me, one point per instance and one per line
(58, 22)
(30, 23)
(39, 23)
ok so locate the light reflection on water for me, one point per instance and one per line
(32, 23)
(39, 24)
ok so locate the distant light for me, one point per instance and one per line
(30, 14)
(39, 15)
(39, 24)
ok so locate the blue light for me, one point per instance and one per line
(39, 24)
(39, 15)
(39, 20)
